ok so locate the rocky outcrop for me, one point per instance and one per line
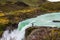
(43, 33)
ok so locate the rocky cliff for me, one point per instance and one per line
(42, 33)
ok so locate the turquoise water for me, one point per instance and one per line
(42, 20)
(24, 23)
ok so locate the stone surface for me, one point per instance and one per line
(44, 33)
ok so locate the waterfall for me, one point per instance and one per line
(17, 34)
(42, 20)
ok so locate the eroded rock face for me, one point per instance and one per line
(44, 33)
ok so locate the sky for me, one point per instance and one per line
(54, 0)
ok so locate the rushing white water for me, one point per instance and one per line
(42, 20)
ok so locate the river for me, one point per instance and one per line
(49, 19)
